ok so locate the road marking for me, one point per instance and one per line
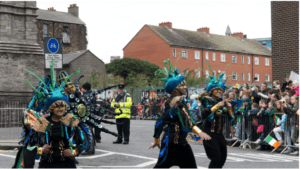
(232, 159)
(146, 163)
(96, 156)
(4, 155)
(282, 156)
(252, 156)
(131, 155)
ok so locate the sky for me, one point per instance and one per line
(111, 24)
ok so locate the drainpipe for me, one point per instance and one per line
(202, 63)
(252, 69)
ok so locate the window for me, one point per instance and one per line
(66, 34)
(197, 55)
(214, 57)
(45, 30)
(267, 78)
(256, 61)
(222, 57)
(257, 77)
(206, 55)
(184, 54)
(224, 77)
(233, 58)
(234, 76)
(197, 72)
(174, 53)
(184, 72)
(267, 62)
(249, 77)
(243, 77)
(248, 59)
(214, 73)
(207, 73)
(242, 59)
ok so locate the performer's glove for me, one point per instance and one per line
(44, 150)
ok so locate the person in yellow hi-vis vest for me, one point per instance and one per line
(123, 102)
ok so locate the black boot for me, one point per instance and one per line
(118, 141)
(98, 140)
(126, 142)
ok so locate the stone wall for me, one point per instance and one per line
(87, 63)
(19, 50)
(77, 34)
(285, 38)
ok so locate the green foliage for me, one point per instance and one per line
(106, 80)
(125, 66)
(191, 78)
(93, 79)
(135, 80)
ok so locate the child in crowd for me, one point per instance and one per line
(280, 127)
(263, 105)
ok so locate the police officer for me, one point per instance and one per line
(123, 102)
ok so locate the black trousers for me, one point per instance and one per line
(123, 129)
(178, 155)
(97, 133)
(216, 150)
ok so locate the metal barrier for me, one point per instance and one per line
(11, 124)
(249, 133)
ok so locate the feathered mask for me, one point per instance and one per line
(47, 91)
(172, 76)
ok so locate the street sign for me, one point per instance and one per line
(53, 49)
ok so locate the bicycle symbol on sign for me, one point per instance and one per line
(52, 45)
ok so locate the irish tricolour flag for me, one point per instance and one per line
(270, 140)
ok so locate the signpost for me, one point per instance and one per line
(53, 49)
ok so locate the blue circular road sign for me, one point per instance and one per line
(53, 45)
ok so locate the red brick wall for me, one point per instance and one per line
(147, 45)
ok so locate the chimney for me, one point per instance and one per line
(204, 29)
(167, 24)
(51, 9)
(238, 34)
(73, 9)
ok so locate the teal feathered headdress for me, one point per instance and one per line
(172, 77)
(216, 81)
(47, 92)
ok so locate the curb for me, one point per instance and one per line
(9, 146)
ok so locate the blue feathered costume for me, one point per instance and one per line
(175, 122)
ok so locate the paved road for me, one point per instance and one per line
(137, 154)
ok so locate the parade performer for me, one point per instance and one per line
(176, 121)
(122, 103)
(214, 109)
(90, 112)
(48, 131)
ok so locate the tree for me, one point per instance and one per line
(93, 79)
(125, 66)
(106, 80)
(136, 80)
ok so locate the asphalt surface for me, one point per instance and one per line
(138, 155)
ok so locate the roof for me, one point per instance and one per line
(58, 16)
(201, 40)
(263, 39)
(69, 57)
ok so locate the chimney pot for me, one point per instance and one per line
(74, 10)
(203, 29)
(167, 24)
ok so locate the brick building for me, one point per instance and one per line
(73, 31)
(285, 38)
(19, 50)
(51, 23)
(248, 58)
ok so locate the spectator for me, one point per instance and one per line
(296, 87)
(287, 83)
(275, 97)
(232, 96)
(146, 104)
(276, 84)
(291, 111)
(225, 96)
(280, 129)
(263, 94)
(246, 86)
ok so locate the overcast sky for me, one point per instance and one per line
(112, 24)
